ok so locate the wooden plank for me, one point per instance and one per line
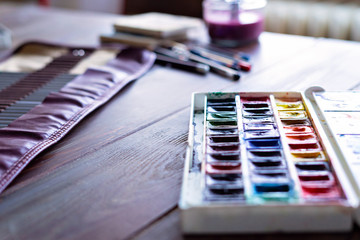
(167, 227)
(109, 194)
(327, 63)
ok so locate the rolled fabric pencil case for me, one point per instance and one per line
(47, 89)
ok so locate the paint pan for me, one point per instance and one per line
(272, 133)
(223, 147)
(316, 176)
(220, 116)
(248, 112)
(272, 188)
(223, 179)
(223, 139)
(295, 122)
(255, 100)
(266, 163)
(308, 156)
(223, 169)
(270, 176)
(215, 109)
(264, 154)
(227, 190)
(316, 190)
(235, 161)
(319, 184)
(290, 115)
(321, 193)
(303, 147)
(222, 131)
(289, 104)
(258, 126)
(266, 159)
(221, 102)
(223, 157)
(258, 119)
(224, 184)
(312, 166)
(321, 189)
(228, 193)
(252, 105)
(264, 143)
(222, 123)
(223, 165)
(301, 138)
(298, 129)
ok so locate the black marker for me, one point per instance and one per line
(182, 64)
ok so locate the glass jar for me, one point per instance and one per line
(233, 23)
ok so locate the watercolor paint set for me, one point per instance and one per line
(272, 162)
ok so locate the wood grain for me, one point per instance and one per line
(118, 192)
(118, 174)
(168, 227)
(327, 63)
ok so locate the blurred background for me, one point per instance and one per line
(338, 19)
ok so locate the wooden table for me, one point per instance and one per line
(118, 174)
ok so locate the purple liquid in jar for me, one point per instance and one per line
(235, 31)
(229, 30)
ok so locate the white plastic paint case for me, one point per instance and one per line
(337, 129)
(201, 215)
